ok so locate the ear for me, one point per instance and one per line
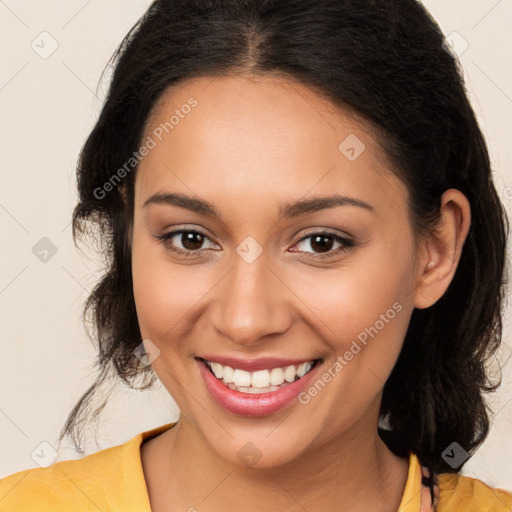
(441, 251)
(124, 196)
(123, 193)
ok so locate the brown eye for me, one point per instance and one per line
(322, 244)
(191, 241)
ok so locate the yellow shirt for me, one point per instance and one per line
(112, 480)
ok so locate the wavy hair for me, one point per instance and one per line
(384, 60)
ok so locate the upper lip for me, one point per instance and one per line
(252, 365)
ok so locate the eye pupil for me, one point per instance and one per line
(187, 239)
(324, 247)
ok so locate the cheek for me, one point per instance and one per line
(362, 310)
(346, 301)
(163, 297)
(363, 317)
(166, 294)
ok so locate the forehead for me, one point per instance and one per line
(261, 137)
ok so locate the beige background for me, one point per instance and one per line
(48, 107)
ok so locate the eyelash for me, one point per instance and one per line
(347, 244)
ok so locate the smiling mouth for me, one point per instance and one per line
(261, 381)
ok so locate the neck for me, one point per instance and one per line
(354, 472)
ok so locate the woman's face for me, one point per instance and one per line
(264, 289)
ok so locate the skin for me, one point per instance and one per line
(250, 145)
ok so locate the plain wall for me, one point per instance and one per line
(49, 104)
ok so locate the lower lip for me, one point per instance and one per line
(247, 404)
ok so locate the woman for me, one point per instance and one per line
(304, 244)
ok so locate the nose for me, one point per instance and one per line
(251, 303)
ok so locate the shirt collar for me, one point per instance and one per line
(411, 498)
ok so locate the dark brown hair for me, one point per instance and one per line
(382, 59)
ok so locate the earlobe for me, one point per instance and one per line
(442, 251)
(122, 193)
(129, 236)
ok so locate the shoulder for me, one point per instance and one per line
(111, 480)
(91, 483)
(458, 492)
(63, 484)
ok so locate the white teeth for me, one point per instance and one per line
(303, 369)
(217, 369)
(276, 377)
(261, 381)
(227, 376)
(289, 373)
(253, 391)
(241, 378)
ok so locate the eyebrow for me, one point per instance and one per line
(287, 210)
